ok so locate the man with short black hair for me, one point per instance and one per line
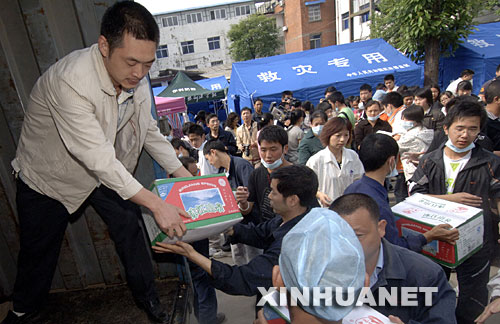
(88, 119)
(492, 99)
(365, 95)
(465, 75)
(273, 141)
(378, 154)
(389, 83)
(257, 109)
(216, 132)
(336, 99)
(392, 267)
(197, 139)
(464, 173)
(246, 137)
(291, 203)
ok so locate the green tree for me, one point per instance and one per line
(253, 37)
(425, 29)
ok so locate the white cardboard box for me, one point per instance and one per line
(419, 213)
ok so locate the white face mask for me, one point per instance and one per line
(374, 118)
(407, 124)
(394, 171)
(317, 130)
(271, 166)
(455, 149)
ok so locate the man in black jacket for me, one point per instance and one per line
(461, 172)
(217, 133)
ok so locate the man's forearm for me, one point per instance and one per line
(147, 199)
(202, 261)
(181, 173)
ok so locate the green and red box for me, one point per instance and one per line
(419, 213)
(209, 201)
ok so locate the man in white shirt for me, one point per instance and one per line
(466, 75)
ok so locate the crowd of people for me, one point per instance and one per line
(311, 180)
(442, 144)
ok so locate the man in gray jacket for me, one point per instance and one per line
(87, 121)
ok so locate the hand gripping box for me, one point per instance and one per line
(209, 201)
(419, 213)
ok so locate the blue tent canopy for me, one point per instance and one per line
(217, 83)
(480, 52)
(309, 73)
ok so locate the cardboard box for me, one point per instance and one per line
(207, 199)
(419, 213)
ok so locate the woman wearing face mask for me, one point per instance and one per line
(336, 166)
(371, 124)
(310, 144)
(416, 141)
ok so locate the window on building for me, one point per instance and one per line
(242, 10)
(217, 14)
(314, 12)
(169, 21)
(363, 7)
(162, 51)
(365, 17)
(345, 21)
(315, 41)
(214, 63)
(187, 47)
(194, 17)
(213, 43)
(191, 67)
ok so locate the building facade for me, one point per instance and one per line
(353, 18)
(308, 24)
(195, 39)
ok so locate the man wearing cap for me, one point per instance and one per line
(334, 259)
(291, 202)
(390, 266)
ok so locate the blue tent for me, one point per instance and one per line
(309, 73)
(479, 52)
(217, 83)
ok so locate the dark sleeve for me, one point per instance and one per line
(420, 180)
(412, 241)
(438, 139)
(439, 119)
(244, 171)
(494, 167)
(304, 153)
(231, 144)
(442, 309)
(254, 235)
(358, 133)
(252, 189)
(387, 127)
(244, 280)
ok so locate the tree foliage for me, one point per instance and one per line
(253, 37)
(425, 29)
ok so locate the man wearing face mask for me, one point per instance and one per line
(254, 199)
(378, 154)
(462, 172)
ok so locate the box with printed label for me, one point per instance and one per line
(419, 213)
(208, 200)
